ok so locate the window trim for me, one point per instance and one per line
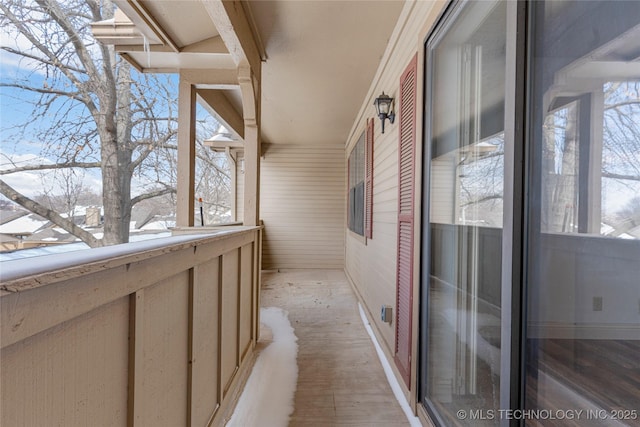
(351, 203)
(368, 179)
(367, 139)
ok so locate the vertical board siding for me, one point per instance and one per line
(135, 339)
(49, 379)
(165, 351)
(245, 300)
(303, 206)
(230, 312)
(406, 195)
(205, 383)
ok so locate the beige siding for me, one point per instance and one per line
(303, 205)
(82, 362)
(163, 335)
(206, 341)
(371, 264)
(165, 351)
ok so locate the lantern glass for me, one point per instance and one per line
(383, 104)
(383, 107)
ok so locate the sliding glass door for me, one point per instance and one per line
(466, 180)
(530, 286)
(583, 279)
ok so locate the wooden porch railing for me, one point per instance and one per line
(154, 333)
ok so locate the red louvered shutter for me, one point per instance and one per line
(406, 175)
(349, 192)
(368, 182)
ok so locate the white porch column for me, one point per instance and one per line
(186, 153)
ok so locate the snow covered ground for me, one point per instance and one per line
(267, 399)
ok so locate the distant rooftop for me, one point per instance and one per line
(71, 247)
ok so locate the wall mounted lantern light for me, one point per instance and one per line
(384, 107)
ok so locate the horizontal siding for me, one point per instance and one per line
(372, 265)
(303, 206)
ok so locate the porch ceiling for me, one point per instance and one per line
(321, 56)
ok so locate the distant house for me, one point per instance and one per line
(24, 230)
(17, 228)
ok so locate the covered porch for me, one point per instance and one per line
(166, 333)
(515, 306)
(340, 378)
(123, 337)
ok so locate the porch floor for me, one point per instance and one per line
(340, 379)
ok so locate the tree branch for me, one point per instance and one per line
(41, 60)
(46, 91)
(622, 104)
(152, 194)
(619, 176)
(53, 7)
(482, 199)
(149, 149)
(19, 24)
(52, 216)
(83, 165)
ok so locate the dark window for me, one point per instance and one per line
(356, 187)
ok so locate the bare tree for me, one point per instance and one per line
(560, 177)
(621, 144)
(69, 182)
(95, 113)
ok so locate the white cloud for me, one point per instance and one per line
(32, 183)
(12, 65)
(10, 161)
(27, 183)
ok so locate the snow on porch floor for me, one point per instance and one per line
(340, 378)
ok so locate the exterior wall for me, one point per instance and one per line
(303, 206)
(150, 333)
(371, 263)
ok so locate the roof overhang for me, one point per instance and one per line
(322, 57)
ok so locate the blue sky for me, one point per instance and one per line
(15, 109)
(15, 104)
